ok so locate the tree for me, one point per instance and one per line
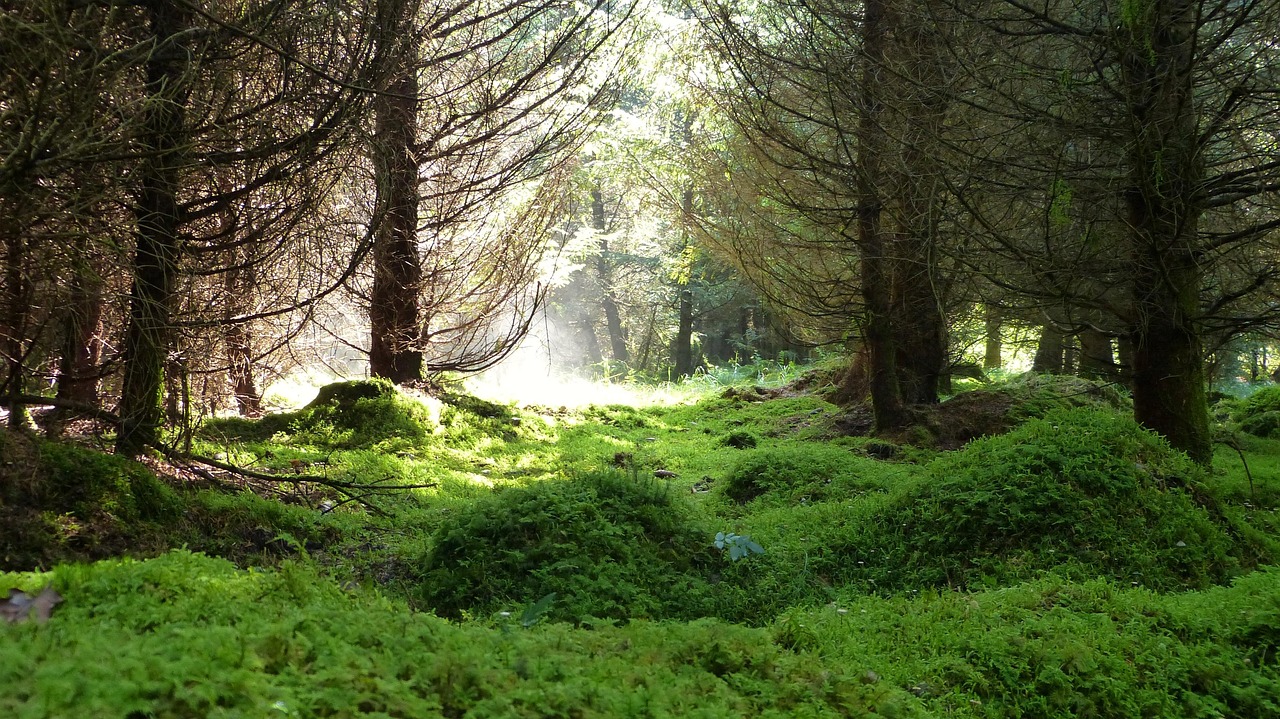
(483, 106)
(840, 109)
(1120, 160)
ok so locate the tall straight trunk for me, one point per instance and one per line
(82, 329)
(604, 272)
(1096, 358)
(682, 351)
(877, 322)
(157, 240)
(920, 324)
(992, 322)
(13, 317)
(393, 310)
(1165, 177)
(683, 354)
(238, 285)
(1124, 358)
(1049, 351)
(13, 323)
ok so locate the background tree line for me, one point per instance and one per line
(192, 192)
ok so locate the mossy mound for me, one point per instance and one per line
(607, 545)
(59, 501)
(1079, 488)
(1259, 414)
(791, 473)
(348, 415)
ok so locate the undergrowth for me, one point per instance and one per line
(564, 562)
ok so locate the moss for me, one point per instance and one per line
(1085, 488)
(607, 545)
(790, 472)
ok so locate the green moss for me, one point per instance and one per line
(792, 473)
(1084, 488)
(607, 545)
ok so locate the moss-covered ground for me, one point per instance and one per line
(581, 562)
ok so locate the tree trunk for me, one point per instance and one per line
(604, 272)
(239, 344)
(81, 339)
(1049, 351)
(1165, 174)
(683, 354)
(393, 310)
(156, 252)
(1096, 358)
(991, 358)
(14, 320)
(877, 322)
(920, 325)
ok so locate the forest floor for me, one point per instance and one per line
(745, 550)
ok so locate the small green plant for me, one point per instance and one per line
(740, 546)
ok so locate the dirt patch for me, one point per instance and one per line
(948, 425)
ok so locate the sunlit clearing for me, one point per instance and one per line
(296, 389)
(526, 384)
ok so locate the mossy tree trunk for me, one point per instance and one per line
(1049, 351)
(992, 323)
(876, 278)
(1164, 206)
(157, 237)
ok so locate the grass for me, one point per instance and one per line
(570, 556)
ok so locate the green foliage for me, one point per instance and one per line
(740, 439)
(1061, 650)
(189, 636)
(608, 545)
(61, 500)
(1259, 414)
(344, 415)
(1086, 488)
(793, 473)
(1035, 395)
(740, 546)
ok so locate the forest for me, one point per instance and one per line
(640, 358)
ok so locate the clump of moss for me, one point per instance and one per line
(607, 545)
(1259, 414)
(1085, 488)
(348, 415)
(789, 473)
(740, 439)
(60, 501)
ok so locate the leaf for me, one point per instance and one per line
(533, 613)
(20, 606)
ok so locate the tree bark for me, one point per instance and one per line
(393, 310)
(992, 323)
(604, 272)
(239, 345)
(1096, 358)
(82, 329)
(1049, 351)
(877, 321)
(14, 320)
(683, 354)
(920, 323)
(157, 240)
(1165, 173)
